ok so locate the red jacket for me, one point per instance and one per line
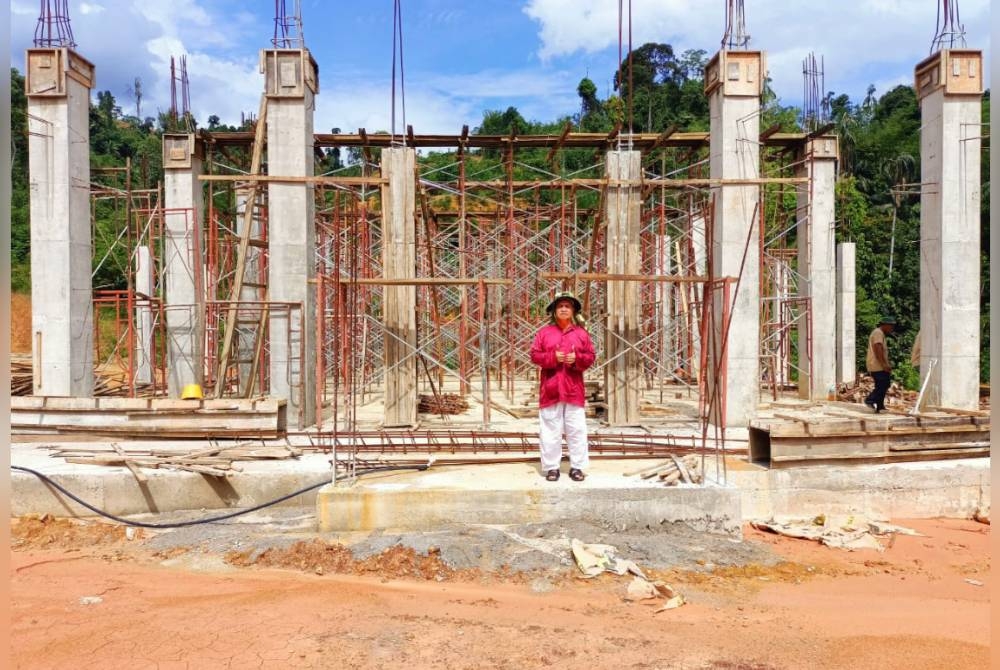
(561, 382)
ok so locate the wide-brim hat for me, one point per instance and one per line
(564, 295)
(887, 321)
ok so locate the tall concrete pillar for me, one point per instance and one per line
(183, 260)
(781, 359)
(666, 321)
(698, 246)
(846, 362)
(291, 84)
(817, 261)
(143, 316)
(733, 85)
(623, 371)
(949, 87)
(58, 89)
(399, 261)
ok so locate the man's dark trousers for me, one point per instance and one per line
(877, 397)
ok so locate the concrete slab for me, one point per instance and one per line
(516, 493)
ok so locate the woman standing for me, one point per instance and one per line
(563, 351)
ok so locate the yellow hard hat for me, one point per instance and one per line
(191, 392)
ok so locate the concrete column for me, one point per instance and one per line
(949, 87)
(733, 85)
(623, 370)
(58, 89)
(291, 85)
(816, 266)
(183, 261)
(143, 316)
(698, 245)
(399, 302)
(846, 362)
(666, 321)
(781, 359)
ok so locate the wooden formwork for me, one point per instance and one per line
(149, 418)
(830, 434)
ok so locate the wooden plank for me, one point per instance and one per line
(938, 446)
(241, 255)
(623, 256)
(789, 417)
(139, 476)
(891, 457)
(173, 434)
(960, 412)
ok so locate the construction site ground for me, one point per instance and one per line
(265, 592)
(269, 589)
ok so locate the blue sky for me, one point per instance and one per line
(462, 57)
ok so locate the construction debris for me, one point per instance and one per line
(982, 515)
(845, 532)
(216, 460)
(686, 470)
(897, 398)
(442, 403)
(593, 559)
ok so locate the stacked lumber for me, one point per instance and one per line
(442, 403)
(678, 469)
(21, 380)
(216, 460)
(109, 380)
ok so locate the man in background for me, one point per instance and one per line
(877, 362)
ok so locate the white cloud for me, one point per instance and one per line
(22, 8)
(91, 8)
(860, 42)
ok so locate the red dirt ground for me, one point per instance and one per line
(313, 607)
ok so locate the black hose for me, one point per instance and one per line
(195, 522)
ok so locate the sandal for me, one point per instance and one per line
(552, 476)
(576, 474)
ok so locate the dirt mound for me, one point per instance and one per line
(320, 558)
(33, 532)
(20, 323)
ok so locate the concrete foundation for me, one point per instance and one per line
(58, 89)
(817, 268)
(733, 85)
(903, 490)
(183, 260)
(290, 87)
(949, 86)
(516, 493)
(846, 333)
(512, 493)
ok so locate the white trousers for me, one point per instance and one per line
(556, 420)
